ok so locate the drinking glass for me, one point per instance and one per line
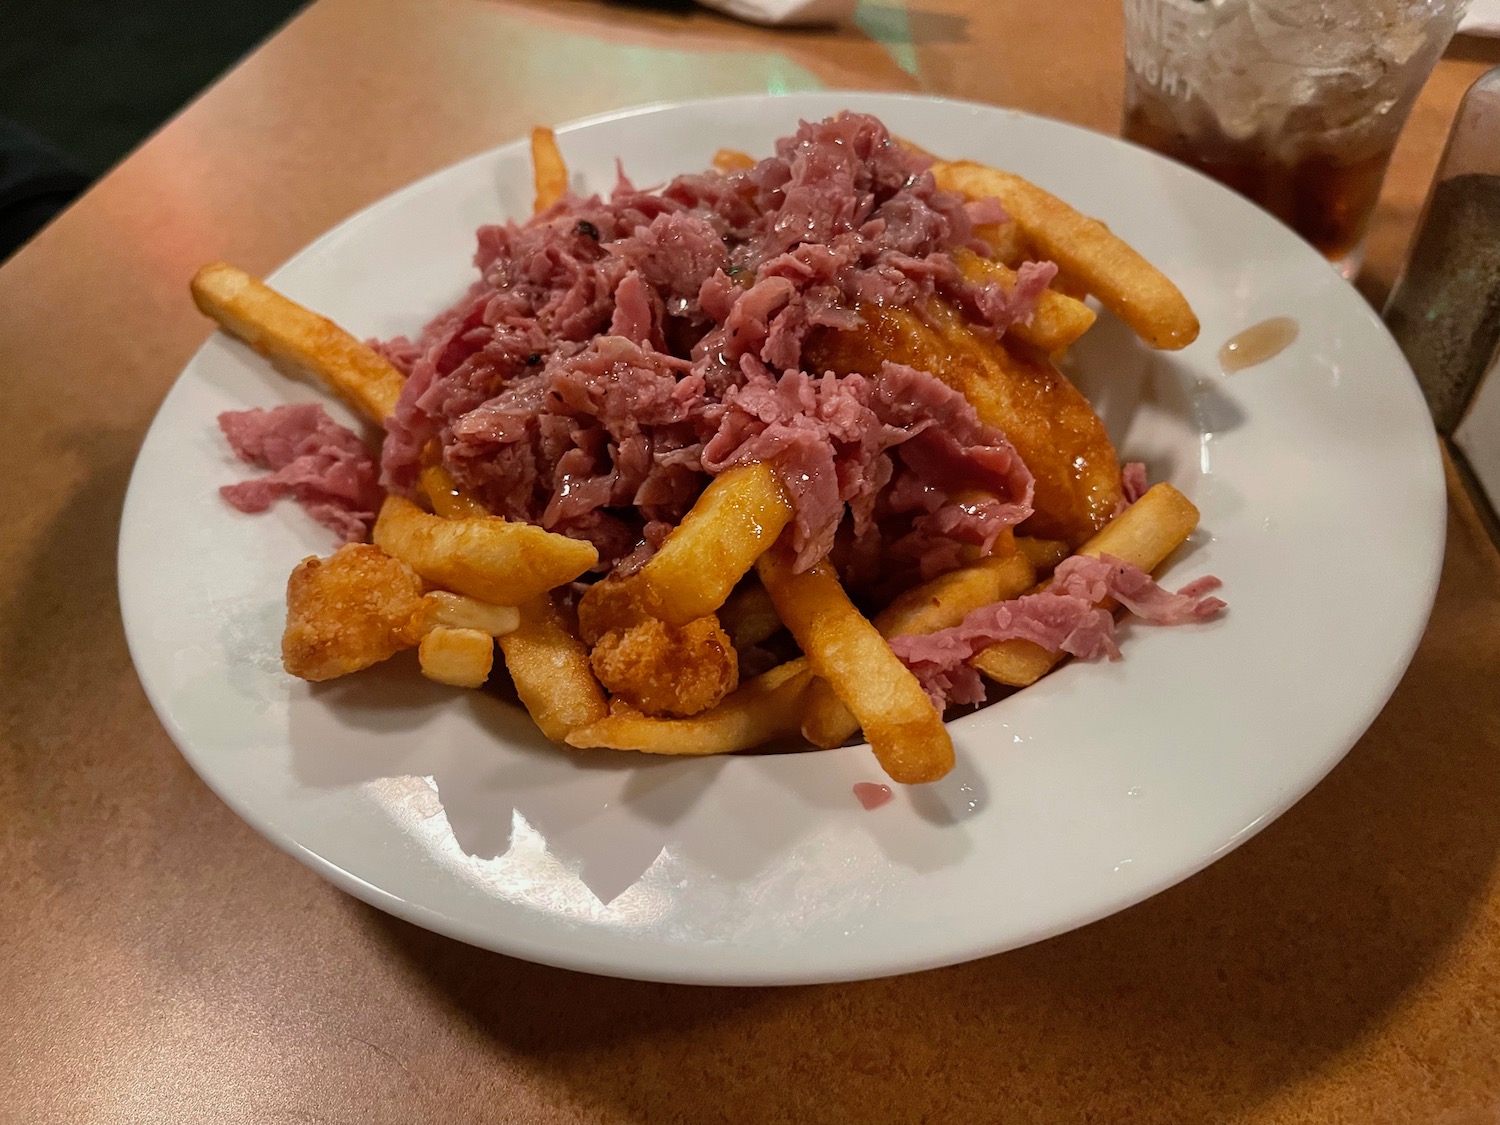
(1296, 104)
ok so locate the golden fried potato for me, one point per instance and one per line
(550, 668)
(759, 710)
(1043, 554)
(937, 604)
(944, 601)
(292, 336)
(348, 611)
(1046, 418)
(737, 517)
(548, 168)
(749, 616)
(661, 669)
(731, 524)
(447, 499)
(1007, 242)
(1084, 249)
(732, 160)
(904, 729)
(490, 559)
(1064, 444)
(1058, 320)
(1144, 534)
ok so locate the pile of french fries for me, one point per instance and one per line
(452, 580)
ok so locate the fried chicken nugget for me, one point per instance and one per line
(609, 605)
(662, 669)
(348, 611)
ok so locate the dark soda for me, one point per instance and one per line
(1325, 196)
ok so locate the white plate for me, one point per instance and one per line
(1322, 499)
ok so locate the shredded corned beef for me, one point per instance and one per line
(313, 459)
(1133, 481)
(615, 354)
(1000, 309)
(830, 439)
(1106, 576)
(1065, 617)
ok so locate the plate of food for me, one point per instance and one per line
(768, 552)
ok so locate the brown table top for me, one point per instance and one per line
(159, 962)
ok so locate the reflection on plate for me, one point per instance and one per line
(1321, 495)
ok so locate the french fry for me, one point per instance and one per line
(490, 559)
(1042, 554)
(296, 338)
(1006, 240)
(1085, 249)
(904, 729)
(826, 722)
(732, 160)
(945, 600)
(1064, 283)
(550, 668)
(446, 498)
(457, 657)
(548, 169)
(1058, 320)
(749, 616)
(758, 711)
(1005, 542)
(937, 604)
(1008, 245)
(442, 609)
(666, 640)
(347, 612)
(738, 516)
(1144, 534)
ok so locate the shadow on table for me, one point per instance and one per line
(1210, 996)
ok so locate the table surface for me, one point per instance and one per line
(159, 962)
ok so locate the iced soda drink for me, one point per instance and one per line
(1294, 103)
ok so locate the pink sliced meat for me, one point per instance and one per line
(837, 442)
(324, 466)
(1064, 618)
(1137, 591)
(1000, 309)
(618, 352)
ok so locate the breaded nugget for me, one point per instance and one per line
(662, 669)
(348, 611)
(609, 605)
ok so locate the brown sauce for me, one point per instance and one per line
(1257, 344)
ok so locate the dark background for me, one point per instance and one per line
(83, 82)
